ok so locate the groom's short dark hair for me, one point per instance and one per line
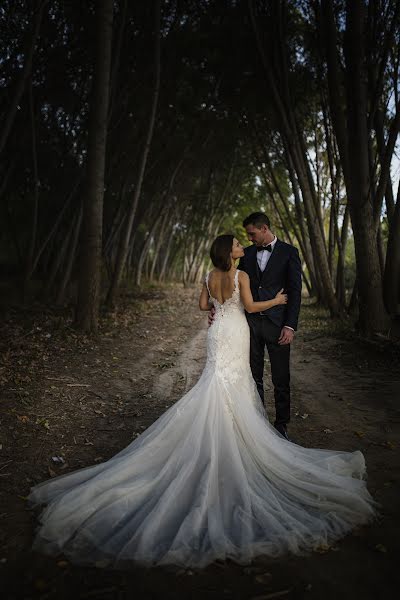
(257, 219)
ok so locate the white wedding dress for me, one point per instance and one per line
(210, 479)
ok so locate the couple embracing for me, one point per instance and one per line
(212, 478)
(271, 266)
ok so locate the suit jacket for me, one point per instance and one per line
(283, 270)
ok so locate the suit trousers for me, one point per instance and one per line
(264, 333)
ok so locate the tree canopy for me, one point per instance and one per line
(213, 109)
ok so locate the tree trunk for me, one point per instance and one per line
(294, 142)
(164, 212)
(87, 313)
(158, 244)
(14, 234)
(391, 278)
(54, 228)
(372, 316)
(35, 208)
(352, 307)
(146, 247)
(60, 252)
(386, 160)
(380, 142)
(71, 258)
(308, 251)
(124, 242)
(166, 256)
(340, 269)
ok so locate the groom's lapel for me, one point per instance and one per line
(275, 257)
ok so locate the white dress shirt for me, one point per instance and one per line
(264, 255)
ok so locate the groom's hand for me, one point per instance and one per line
(211, 316)
(286, 336)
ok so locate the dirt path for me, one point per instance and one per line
(70, 401)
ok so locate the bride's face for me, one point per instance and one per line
(237, 249)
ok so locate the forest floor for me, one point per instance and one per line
(70, 401)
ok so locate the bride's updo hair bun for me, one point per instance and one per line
(220, 252)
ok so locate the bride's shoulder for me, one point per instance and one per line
(242, 276)
(210, 275)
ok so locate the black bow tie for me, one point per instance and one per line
(262, 248)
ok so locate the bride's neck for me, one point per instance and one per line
(231, 270)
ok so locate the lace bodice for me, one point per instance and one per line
(231, 304)
(228, 343)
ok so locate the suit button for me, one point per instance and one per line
(260, 287)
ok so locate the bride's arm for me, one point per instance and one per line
(247, 297)
(204, 302)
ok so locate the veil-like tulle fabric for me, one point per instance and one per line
(210, 479)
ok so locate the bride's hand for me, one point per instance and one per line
(281, 297)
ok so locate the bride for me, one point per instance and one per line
(211, 478)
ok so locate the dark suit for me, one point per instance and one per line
(283, 270)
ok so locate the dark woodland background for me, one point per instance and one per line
(132, 133)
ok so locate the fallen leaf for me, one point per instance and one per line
(40, 584)
(381, 548)
(359, 434)
(57, 459)
(23, 418)
(101, 564)
(62, 564)
(253, 570)
(264, 578)
(322, 549)
(304, 416)
(391, 445)
(272, 595)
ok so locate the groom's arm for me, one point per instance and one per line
(293, 289)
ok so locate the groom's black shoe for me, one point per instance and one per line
(283, 431)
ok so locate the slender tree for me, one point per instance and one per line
(87, 313)
(123, 248)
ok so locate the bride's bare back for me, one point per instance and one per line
(221, 284)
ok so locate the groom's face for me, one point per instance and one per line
(257, 235)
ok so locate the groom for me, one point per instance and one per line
(271, 265)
